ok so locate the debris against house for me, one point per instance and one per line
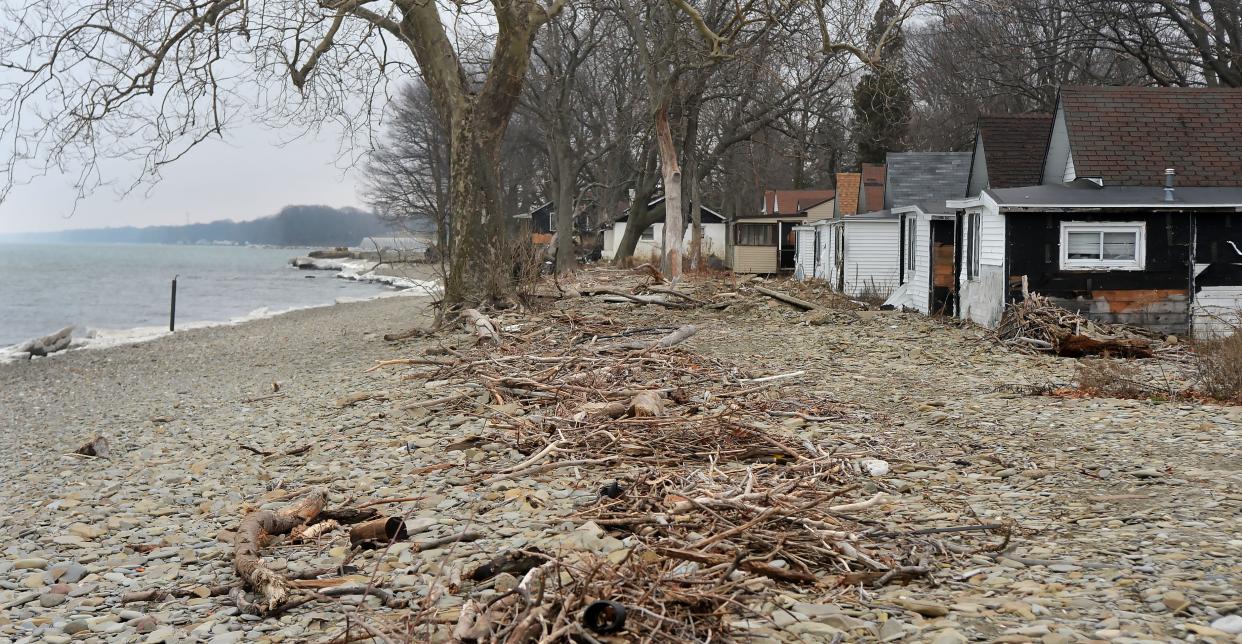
(1036, 324)
(707, 507)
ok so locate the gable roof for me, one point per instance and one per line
(926, 179)
(1128, 135)
(792, 202)
(847, 189)
(872, 195)
(709, 216)
(1013, 147)
(1088, 196)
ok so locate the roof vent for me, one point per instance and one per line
(1169, 174)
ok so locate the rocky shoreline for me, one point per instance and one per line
(1124, 515)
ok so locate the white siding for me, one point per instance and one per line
(982, 299)
(992, 239)
(920, 278)
(1216, 309)
(714, 237)
(871, 256)
(1057, 158)
(825, 243)
(804, 255)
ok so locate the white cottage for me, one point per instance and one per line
(715, 235)
(917, 187)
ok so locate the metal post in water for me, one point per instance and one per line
(172, 309)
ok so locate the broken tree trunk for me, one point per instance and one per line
(272, 588)
(1078, 346)
(674, 228)
(788, 299)
(481, 325)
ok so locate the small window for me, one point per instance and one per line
(911, 228)
(754, 234)
(815, 251)
(1102, 245)
(973, 245)
(551, 221)
(648, 234)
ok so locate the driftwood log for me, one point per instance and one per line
(788, 299)
(482, 325)
(58, 341)
(1078, 346)
(272, 588)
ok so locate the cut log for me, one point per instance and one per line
(481, 325)
(788, 299)
(1078, 346)
(272, 588)
(646, 404)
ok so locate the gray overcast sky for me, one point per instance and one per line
(247, 175)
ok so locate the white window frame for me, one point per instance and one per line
(974, 231)
(648, 233)
(1140, 248)
(911, 242)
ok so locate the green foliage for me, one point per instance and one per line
(882, 102)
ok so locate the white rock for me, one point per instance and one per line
(1231, 624)
(875, 466)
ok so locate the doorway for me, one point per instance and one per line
(788, 249)
(943, 287)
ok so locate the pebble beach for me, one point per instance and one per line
(1123, 515)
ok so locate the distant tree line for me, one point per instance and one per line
(292, 226)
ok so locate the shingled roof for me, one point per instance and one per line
(926, 179)
(1128, 135)
(1013, 147)
(792, 202)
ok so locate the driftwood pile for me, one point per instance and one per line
(717, 506)
(1037, 325)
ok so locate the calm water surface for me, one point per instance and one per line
(46, 287)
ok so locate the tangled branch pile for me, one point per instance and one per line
(711, 508)
(1036, 324)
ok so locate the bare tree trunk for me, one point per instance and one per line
(565, 190)
(696, 210)
(674, 228)
(475, 223)
(639, 219)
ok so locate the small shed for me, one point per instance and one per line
(766, 242)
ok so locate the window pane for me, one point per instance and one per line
(756, 234)
(1120, 246)
(1083, 246)
(649, 233)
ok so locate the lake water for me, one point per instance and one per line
(115, 289)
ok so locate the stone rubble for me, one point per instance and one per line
(1126, 515)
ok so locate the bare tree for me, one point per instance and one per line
(150, 79)
(407, 174)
